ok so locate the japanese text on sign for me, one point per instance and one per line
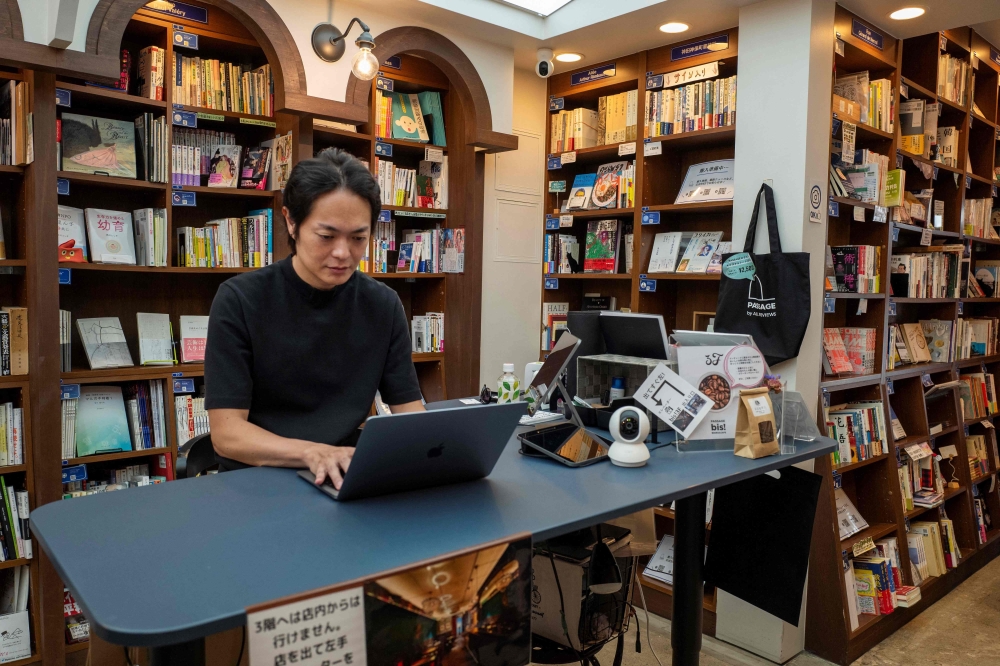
(690, 74)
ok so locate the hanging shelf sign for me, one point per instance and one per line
(866, 34)
(691, 74)
(383, 149)
(184, 118)
(701, 47)
(591, 75)
(63, 97)
(654, 81)
(383, 83)
(393, 62)
(557, 103)
(552, 283)
(179, 10)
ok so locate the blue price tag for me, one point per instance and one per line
(393, 62)
(551, 283)
(62, 186)
(74, 473)
(837, 479)
(175, 375)
(383, 83)
(64, 97)
(960, 308)
(889, 387)
(906, 523)
(184, 198)
(833, 208)
(926, 380)
(829, 305)
(899, 160)
(836, 126)
(65, 276)
(935, 173)
(968, 182)
(993, 192)
(895, 234)
(184, 118)
(553, 163)
(651, 217)
(826, 398)
(966, 431)
(188, 40)
(654, 82)
(551, 223)
(647, 285)
(892, 308)
(384, 216)
(383, 149)
(69, 391)
(183, 386)
(557, 103)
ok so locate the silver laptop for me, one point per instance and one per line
(401, 452)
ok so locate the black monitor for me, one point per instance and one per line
(633, 334)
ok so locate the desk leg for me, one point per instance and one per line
(191, 653)
(689, 588)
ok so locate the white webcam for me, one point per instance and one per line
(629, 428)
(544, 66)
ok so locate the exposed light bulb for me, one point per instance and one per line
(907, 13)
(365, 64)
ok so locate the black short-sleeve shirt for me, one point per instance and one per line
(306, 362)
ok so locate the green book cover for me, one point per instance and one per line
(407, 119)
(101, 421)
(894, 188)
(430, 105)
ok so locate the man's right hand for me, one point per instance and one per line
(329, 462)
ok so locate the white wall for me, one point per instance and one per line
(512, 238)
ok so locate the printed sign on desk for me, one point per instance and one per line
(335, 625)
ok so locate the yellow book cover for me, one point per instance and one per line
(866, 586)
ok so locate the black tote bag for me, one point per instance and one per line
(768, 298)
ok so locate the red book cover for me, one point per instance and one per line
(163, 466)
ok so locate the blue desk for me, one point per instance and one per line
(175, 562)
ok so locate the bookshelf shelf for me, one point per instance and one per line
(919, 301)
(601, 213)
(129, 268)
(589, 276)
(410, 147)
(14, 563)
(699, 138)
(110, 181)
(33, 659)
(700, 207)
(839, 383)
(703, 277)
(853, 296)
(865, 128)
(132, 374)
(230, 117)
(985, 181)
(225, 191)
(427, 357)
(954, 105)
(11, 169)
(984, 241)
(857, 203)
(919, 89)
(915, 229)
(331, 132)
(13, 469)
(430, 212)
(606, 153)
(124, 455)
(10, 263)
(408, 276)
(873, 531)
(95, 95)
(78, 647)
(977, 360)
(918, 369)
(847, 467)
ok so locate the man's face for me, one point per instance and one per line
(331, 242)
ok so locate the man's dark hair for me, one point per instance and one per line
(331, 170)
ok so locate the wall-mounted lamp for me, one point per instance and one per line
(329, 42)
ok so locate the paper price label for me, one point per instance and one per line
(849, 134)
(565, 221)
(838, 47)
(651, 148)
(211, 116)
(623, 149)
(739, 267)
(568, 158)
(433, 154)
(859, 214)
(863, 546)
(926, 236)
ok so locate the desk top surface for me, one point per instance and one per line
(177, 561)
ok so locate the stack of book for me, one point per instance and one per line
(137, 238)
(427, 333)
(976, 218)
(875, 98)
(233, 242)
(602, 252)
(412, 187)
(856, 268)
(976, 337)
(926, 272)
(859, 430)
(688, 252)
(212, 84)
(554, 316)
(849, 350)
(613, 186)
(876, 583)
(133, 476)
(106, 419)
(190, 416)
(953, 77)
(15, 536)
(865, 177)
(192, 150)
(151, 140)
(150, 69)
(907, 596)
(11, 434)
(16, 136)
(410, 116)
(572, 130)
(979, 461)
(561, 254)
(690, 108)
(980, 401)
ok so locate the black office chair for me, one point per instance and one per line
(195, 457)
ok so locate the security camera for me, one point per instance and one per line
(629, 428)
(544, 67)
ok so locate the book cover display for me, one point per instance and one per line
(224, 166)
(98, 146)
(72, 235)
(101, 423)
(605, 194)
(601, 253)
(112, 240)
(253, 175)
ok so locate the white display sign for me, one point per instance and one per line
(565, 220)
(652, 148)
(626, 148)
(326, 629)
(708, 181)
(433, 154)
(673, 400)
(720, 372)
(684, 76)
(850, 132)
(568, 158)
(15, 637)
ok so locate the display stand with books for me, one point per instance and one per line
(909, 336)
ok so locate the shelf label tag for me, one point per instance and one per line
(433, 154)
(69, 391)
(993, 191)
(393, 62)
(862, 306)
(691, 74)
(859, 214)
(383, 149)
(847, 143)
(866, 34)
(966, 431)
(64, 97)
(926, 235)
(551, 223)
(864, 545)
(551, 283)
(891, 391)
(701, 47)
(74, 473)
(180, 10)
(881, 213)
(968, 182)
(906, 520)
(895, 234)
(184, 118)
(960, 307)
(591, 75)
(833, 208)
(258, 122)
(65, 276)
(899, 160)
(986, 424)
(551, 164)
(892, 308)
(654, 82)
(838, 47)
(183, 386)
(826, 397)
(384, 216)
(650, 148)
(935, 173)
(557, 186)
(382, 83)
(904, 91)
(837, 479)
(568, 158)
(926, 380)
(557, 103)
(647, 285)
(188, 40)
(626, 149)
(211, 116)
(651, 217)
(995, 55)
(565, 220)
(836, 125)
(184, 198)
(829, 305)
(944, 43)
(62, 186)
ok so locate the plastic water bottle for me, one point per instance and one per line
(508, 385)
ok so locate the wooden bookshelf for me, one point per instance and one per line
(658, 179)
(873, 485)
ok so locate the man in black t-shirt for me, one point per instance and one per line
(296, 350)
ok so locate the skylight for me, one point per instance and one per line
(539, 7)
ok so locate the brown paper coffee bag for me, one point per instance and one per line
(756, 433)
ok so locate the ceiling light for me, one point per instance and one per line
(673, 27)
(907, 13)
(569, 57)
